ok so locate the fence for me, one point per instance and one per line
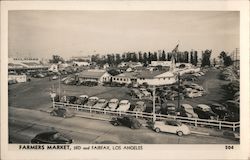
(144, 115)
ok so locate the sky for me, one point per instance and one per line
(79, 33)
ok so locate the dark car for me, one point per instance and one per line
(68, 99)
(61, 112)
(52, 137)
(205, 112)
(128, 121)
(220, 110)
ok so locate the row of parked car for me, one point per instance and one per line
(186, 89)
(96, 103)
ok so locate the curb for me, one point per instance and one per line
(201, 133)
(92, 117)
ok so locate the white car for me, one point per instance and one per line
(113, 104)
(55, 77)
(189, 110)
(124, 105)
(193, 94)
(171, 126)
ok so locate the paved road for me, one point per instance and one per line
(25, 124)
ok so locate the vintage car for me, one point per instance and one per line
(52, 137)
(186, 110)
(113, 104)
(82, 99)
(124, 105)
(61, 112)
(128, 121)
(140, 106)
(171, 126)
(91, 102)
(102, 103)
(205, 112)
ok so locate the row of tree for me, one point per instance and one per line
(146, 57)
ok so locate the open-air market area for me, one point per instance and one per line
(172, 95)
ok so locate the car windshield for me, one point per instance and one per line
(102, 101)
(123, 103)
(206, 109)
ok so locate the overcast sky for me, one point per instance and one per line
(73, 33)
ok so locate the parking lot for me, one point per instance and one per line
(36, 94)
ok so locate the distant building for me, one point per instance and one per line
(130, 64)
(160, 63)
(125, 78)
(18, 78)
(77, 63)
(157, 78)
(95, 75)
(25, 64)
(81, 58)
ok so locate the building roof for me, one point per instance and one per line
(149, 74)
(92, 73)
(127, 74)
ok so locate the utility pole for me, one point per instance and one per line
(154, 116)
(59, 92)
(178, 105)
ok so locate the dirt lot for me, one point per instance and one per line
(35, 94)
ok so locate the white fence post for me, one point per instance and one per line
(77, 107)
(90, 109)
(195, 122)
(233, 126)
(220, 125)
(136, 114)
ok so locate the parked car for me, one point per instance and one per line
(54, 77)
(51, 137)
(102, 103)
(171, 109)
(68, 99)
(145, 92)
(140, 106)
(128, 121)
(220, 110)
(205, 112)
(171, 126)
(82, 99)
(186, 110)
(61, 112)
(113, 104)
(91, 102)
(136, 93)
(124, 105)
(193, 94)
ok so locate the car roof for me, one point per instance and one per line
(93, 98)
(171, 104)
(140, 102)
(187, 106)
(43, 134)
(114, 100)
(124, 101)
(102, 100)
(83, 96)
(203, 106)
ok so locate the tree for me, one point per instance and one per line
(163, 56)
(195, 61)
(140, 57)
(56, 59)
(226, 58)
(205, 61)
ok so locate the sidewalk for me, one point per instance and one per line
(104, 117)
